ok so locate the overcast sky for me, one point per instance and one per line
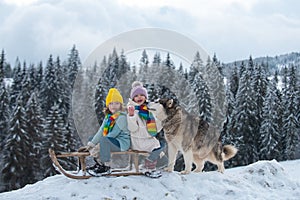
(233, 29)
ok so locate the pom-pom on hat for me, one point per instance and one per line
(113, 96)
(138, 89)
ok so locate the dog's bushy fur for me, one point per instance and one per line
(198, 140)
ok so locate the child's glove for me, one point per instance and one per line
(86, 148)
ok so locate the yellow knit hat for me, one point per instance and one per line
(113, 96)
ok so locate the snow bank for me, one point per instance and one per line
(261, 180)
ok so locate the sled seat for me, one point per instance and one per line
(133, 157)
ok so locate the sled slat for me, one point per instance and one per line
(63, 155)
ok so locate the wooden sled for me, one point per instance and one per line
(81, 172)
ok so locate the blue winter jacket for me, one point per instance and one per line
(119, 132)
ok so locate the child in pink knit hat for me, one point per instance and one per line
(143, 127)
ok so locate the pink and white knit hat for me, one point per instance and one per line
(137, 88)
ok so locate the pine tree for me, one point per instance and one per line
(269, 131)
(279, 113)
(259, 82)
(35, 130)
(17, 84)
(6, 71)
(196, 67)
(63, 90)
(2, 61)
(243, 128)
(54, 137)
(26, 90)
(103, 66)
(144, 67)
(168, 76)
(4, 115)
(193, 100)
(156, 59)
(204, 99)
(83, 107)
(32, 73)
(48, 93)
(16, 150)
(39, 77)
(4, 104)
(290, 124)
(215, 82)
(182, 87)
(231, 92)
(73, 65)
(126, 77)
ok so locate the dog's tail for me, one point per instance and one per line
(229, 151)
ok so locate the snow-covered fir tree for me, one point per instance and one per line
(39, 76)
(168, 73)
(83, 108)
(126, 77)
(144, 67)
(34, 130)
(259, 81)
(54, 137)
(16, 169)
(156, 59)
(4, 104)
(199, 100)
(215, 83)
(48, 93)
(204, 98)
(16, 85)
(231, 92)
(2, 61)
(243, 129)
(73, 65)
(196, 66)
(63, 88)
(269, 131)
(290, 123)
(26, 90)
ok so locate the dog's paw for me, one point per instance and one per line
(185, 172)
(197, 170)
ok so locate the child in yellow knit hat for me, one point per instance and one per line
(112, 136)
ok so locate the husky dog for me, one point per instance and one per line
(198, 140)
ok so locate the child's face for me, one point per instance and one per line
(114, 107)
(139, 99)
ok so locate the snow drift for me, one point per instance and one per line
(261, 180)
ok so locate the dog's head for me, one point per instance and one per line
(168, 104)
(164, 107)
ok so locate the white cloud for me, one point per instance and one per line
(20, 2)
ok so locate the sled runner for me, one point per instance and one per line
(81, 172)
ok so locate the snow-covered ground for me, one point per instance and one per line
(261, 180)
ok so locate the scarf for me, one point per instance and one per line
(149, 118)
(111, 120)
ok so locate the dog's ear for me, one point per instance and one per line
(170, 103)
(163, 101)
